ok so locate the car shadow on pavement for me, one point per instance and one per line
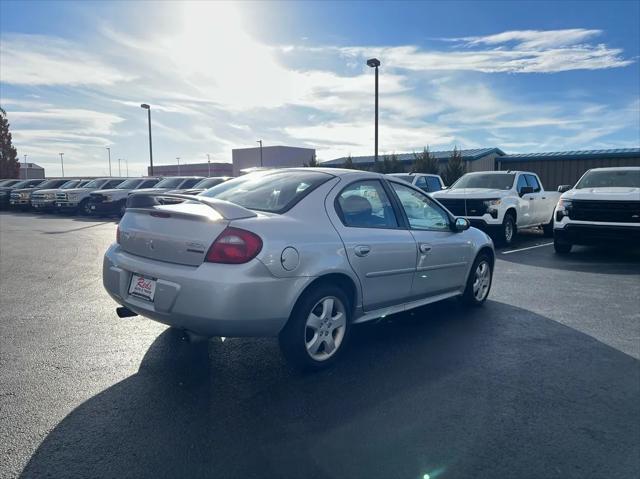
(588, 259)
(492, 392)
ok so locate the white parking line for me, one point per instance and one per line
(529, 247)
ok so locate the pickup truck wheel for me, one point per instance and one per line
(84, 208)
(508, 230)
(479, 281)
(562, 248)
(318, 328)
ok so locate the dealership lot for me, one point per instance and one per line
(543, 381)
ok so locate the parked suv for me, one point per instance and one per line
(426, 182)
(114, 201)
(299, 253)
(21, 198)
(602, 208)
(77, 199)
(45, 200)
(501, 202)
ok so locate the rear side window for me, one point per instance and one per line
(365, 204)
(533, 182)
(433, 184)
(274, 192)
(421, 182)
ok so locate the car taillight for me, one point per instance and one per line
(234, 246)
(118, 234)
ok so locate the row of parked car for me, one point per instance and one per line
(98, 196)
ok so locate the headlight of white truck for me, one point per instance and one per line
(492, 202)
(562, 209)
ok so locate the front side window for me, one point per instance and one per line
(422, 213)
(274, 192)
(533, 182)
(522, 182)
(433, 184)
(421, 182)
(365, 204)
(110, 184)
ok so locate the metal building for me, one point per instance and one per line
(477, 159)
(566, 167)
(271, 156)
(193, 169)
(30, 171)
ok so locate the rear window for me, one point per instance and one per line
(274, 192)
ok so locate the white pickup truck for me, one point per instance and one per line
(501, 202)
(602, 208)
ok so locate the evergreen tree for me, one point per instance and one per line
(394, 165)
(9, 166)
(348, 163)
(425, 162)
(455, 167)
(313, 163)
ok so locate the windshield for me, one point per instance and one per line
(70, 184)
(493, 181)
(610, 179)
(9, 182)
(209, 183)
(50, 184)
(169, 183)
(94, 184)
(129, 184)
(268, 191)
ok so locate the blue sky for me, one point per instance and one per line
(523, 76)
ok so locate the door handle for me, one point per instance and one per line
(424, 248)
(362, 250)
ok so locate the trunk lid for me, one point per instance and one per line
(178, 233)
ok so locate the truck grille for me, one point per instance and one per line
(61, 196)
(457, 206)
(605, 211)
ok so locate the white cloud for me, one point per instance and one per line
(535, 39)
(45, 60)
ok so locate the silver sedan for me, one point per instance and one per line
(301, 254)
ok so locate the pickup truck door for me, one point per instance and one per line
(526, 204)
(542, 208)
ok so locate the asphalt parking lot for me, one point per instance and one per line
(544, 381)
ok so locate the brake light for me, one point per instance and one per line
(234, 246)
(118, 234)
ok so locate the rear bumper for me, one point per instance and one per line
(594, 234)
(210, 299)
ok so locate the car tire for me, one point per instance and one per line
(547, 229)
(479, 281)
(84, 208)
(508, 230)
(318, 328)
(562, 248)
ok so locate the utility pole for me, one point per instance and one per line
(119, 167)
(209, 162)
(375, 63)
(26, 170)
(109, 152)
(260, 141)
(127, 164)
(62, 163)
(178, 158)
(148, 108)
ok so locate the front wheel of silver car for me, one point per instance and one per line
(479, 281)
(318, 328)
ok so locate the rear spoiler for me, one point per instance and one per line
(226, 209)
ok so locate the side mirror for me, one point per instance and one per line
(563, 188)
(461, 224)
(525, 190)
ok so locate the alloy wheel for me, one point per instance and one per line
(325, 328)
(482, 281)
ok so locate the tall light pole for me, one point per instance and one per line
(109, 152)
(62, 163)
(119, 167)
(209, 162)
(26, 170)
(375, 63)
(178, 158)
(260, 141)
(127, 164)
(148, 108)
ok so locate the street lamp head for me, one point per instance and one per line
(145, 106)
(373, 62)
